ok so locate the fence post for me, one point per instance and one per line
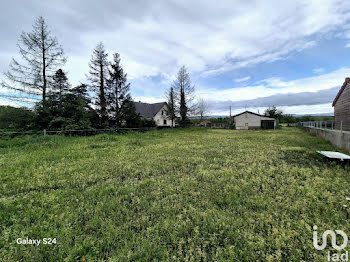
(44, 132)
(332, 124)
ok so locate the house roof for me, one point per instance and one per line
(249, 112)
(148, 110)
(346, 82)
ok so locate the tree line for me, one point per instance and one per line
(103, 102)
(292, 119)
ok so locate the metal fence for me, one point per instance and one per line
(342, 125)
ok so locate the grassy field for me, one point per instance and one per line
(180, 195)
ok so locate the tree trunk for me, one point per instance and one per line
(44, 65)
(102, 97)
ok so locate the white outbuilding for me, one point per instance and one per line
(250, 120)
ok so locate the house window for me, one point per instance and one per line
(164, 122)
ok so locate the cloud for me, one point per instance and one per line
(310, 91)
(243, 79)
(281, 100)
(5, 102)
(148, 99)
(318, 70)
(266, 57)
(296, 110)
(347, 45)
(276, 85)
(156, 37)
(308, 109)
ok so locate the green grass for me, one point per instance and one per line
(180, 195)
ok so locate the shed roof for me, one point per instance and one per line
(148, 110)
(249, 112)
(346, 82)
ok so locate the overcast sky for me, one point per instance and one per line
(248, 54)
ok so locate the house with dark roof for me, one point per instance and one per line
(341, 106)
(251, 120)
(155, 111)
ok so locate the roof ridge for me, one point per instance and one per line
(148, 109)
(247, 111)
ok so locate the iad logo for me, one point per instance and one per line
(335, 256)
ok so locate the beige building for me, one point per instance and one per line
(250, 120)
(156, 111)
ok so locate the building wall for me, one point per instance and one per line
(249, 121)
(342, 109)
(161, 116)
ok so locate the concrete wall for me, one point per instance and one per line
(336, 137)
(249, 121)
(161, 116)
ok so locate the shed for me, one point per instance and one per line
(251, 120)
(341, 106)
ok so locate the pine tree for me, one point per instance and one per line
(60, 84)
(41, 55)
(98, 75)
(75, 104)
(118, 90)
(81, 91)
(128, 113)
(183, 107)
(171, 110)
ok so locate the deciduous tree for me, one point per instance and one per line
(41, 56)
(273, 112)
(202, 108)
(185, 94)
